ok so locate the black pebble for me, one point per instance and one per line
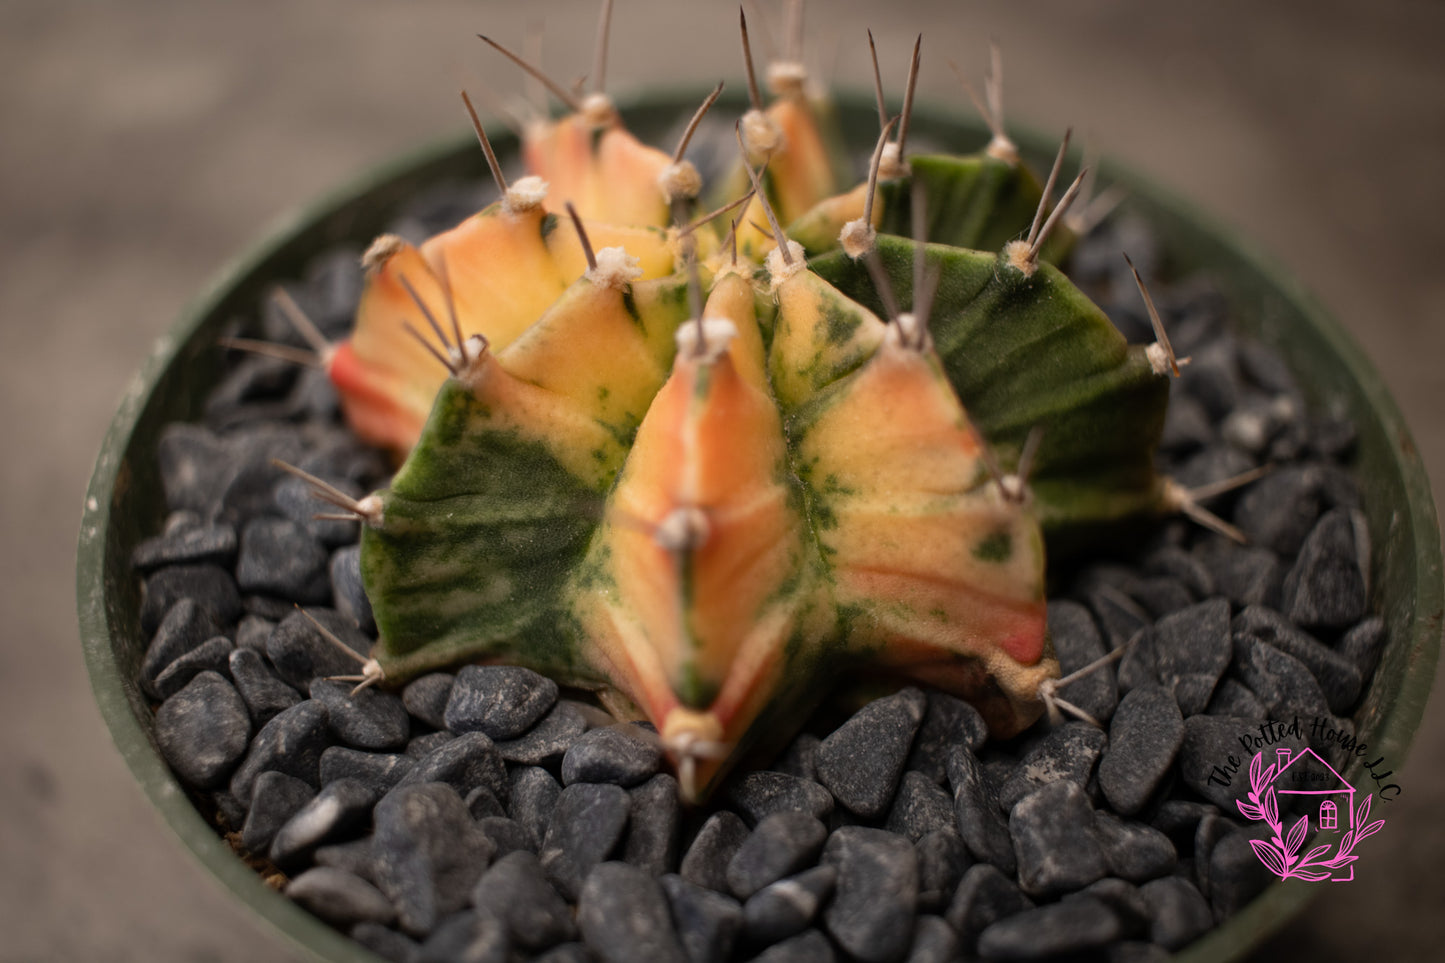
(1236, 875)
(1283, 683)
(1326, 588)
(468, 936)
(623, 755)
(934, 941)
(1077, 643)
(873, 908)
(1180, 914)
(1053, 836)
(947, 722)
(1176, 562)
(252, 632)
(547, 742)
(1187, 426)
(213, 655)
(1134, 851)
(339, 811)
(429, 854)
(482, 804)
(1211, 748)
(506, 835)
(758, 794)
(209, 586)
(653, 824)
(707, 922)
(1233, 698)
(534, 794)
(1124, 899)
(209, 544)
(424, 744)
(1069, 752)
(566, 953)
(788, 906)
(1192, 649)
(1363, 644)
(356, 856)
(707, 859)
(1339, 677)
(369, 719)
(274, 800)
(300, 651)
(203, 730)
(292, 743)
(464, 763)
(942, 860)
(1278, 510)
(280, 558)
(1071, 926)
(193, 467)
(185, 626)
(426, 698)
(266, 696)
(340, 898)
(862, 760)
(347, 589)
(1144, 737)
(920, 807)
(385, 942)
(1244, 574)
(624, 916)
(502, 701)
(516, 891)
(984, 896)
(800, 758)
(587, 825)
(782, 844)
(293, 497)
(976, 809)
(809, 947)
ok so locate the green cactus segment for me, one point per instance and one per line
(495, 506)
(1033, 350)
(480, 529)
(976, 202)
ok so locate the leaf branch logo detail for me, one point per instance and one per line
(1281, 853)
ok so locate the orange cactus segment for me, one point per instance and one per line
(501, 271)
(381, 411)
(940, 566)
(705, 532)
(819, 336)
(801, 175)
(383, 366)
(734, 298)
(703, 548)
(818, 229)
(799, 172)
(605, 347)
(655, 253)
(608, 174)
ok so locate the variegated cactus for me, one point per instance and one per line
(703, 476)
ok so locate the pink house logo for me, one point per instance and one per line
(1307, 784)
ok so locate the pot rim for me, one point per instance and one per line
(104, 581)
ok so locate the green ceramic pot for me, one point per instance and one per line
(124, 503)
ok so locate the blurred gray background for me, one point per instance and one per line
(143, 143)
